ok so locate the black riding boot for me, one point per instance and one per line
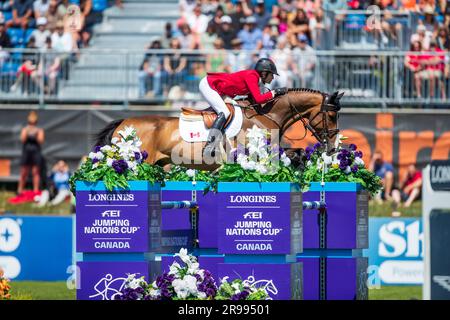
(218, 124)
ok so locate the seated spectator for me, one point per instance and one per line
(306, 60)
(58, 186)
(40, 8)
(423, 36)
(207, 38)
(412, 63)
(150, 71)
(216, 61)
(198, 22)
(409, 189)
(186, 38)
(187, 7)
(434, 64)
(319, 25)
(269, 41)
(300, 24)
(283, 21)
(41, 33)
(237, 59)
(6, 5)
(174, 65)
(250, 35)
(429, 21)
(209, 7)
(48, 69)
(26, 73)
(442, 39)
(261, 15)
(282, 57)
(215, 22)
(5, 42)
(385, 171)
(226, 32)
(22, 14)
(167, 36)
(238, 16)
(62, 40)
(53, 15)
(89, 18)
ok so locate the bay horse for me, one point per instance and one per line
(160, 136)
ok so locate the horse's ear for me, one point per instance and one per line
(340, 95)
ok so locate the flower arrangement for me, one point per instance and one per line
(4, 287)
(258, 162)
(346, 165)
(118, 163)
(186, 281)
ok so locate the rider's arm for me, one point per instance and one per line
(252, 84)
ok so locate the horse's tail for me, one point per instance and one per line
(105, 135)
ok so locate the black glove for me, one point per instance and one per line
(280, 91)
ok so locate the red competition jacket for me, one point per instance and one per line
(238, 83)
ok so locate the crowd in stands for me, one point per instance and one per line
(57, 26)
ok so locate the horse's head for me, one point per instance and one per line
(325, 121)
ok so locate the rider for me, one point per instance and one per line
(216, 85)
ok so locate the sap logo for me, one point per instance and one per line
(111, 214)
(253, 215)
(397, 239)
(10, 238)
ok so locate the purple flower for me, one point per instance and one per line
(317, 145)
(358, 154)
(144, 155)
(97, 148)
(339, 156)
(342, 166)
(120, 166)
(352, 147)
(137, 156)
(309, 150)
(355, 168)
(95, 160)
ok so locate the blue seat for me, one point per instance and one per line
(28, 33)
(7, 15)
(99, 5)
(10, 67)
(16, 36)
(355, 21)
(77, 2)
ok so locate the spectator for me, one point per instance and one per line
(409, 189)
(216, 20)
(422, 36)
(57, 186)
(306, 60)
(300, 24)
(430, 23)
(32, 138)
(319, 26)
(26, 73)
(210, 7)
(89, 18)
(442, 39)
(412, 63)
(250, 35)
(283, 21)
(175, 64)
(283, 59)
(226, 33)
(207, 38)
(53, 15)
(269, 41)
(186, 39)
(168, 35)
(434, 69)
(6, 5)
(385, 171)
(49, 69)
(216, 61)
(261, 15)
(150, 71)
(5, 42)
(237, 59)
(41, 33)
(238, 16)
(40, 8)
(22, 14)
(62, 40)
(187, 7)
(198, 22)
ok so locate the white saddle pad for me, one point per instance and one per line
(193, 129)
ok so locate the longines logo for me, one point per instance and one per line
(111, 197)
(241, 199)
(443, 281)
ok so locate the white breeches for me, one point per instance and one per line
(213, 97)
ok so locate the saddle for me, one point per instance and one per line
(208, 115)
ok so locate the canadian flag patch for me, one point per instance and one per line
(195, 134)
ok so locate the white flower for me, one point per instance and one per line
(235, 286)
(127, 147)
(359, 162)
(285, 159)
(95, 165)
(96, 155)
(193, 268)
(127, 132)
(261, 168)
(335, 162)
(201, 295)
(106, 148)
(241, 158)
(132, 165)
(173, 269)
(224, 280)
(153, 292)
(326, 159)
(109, 162)
(184, 256)
(190, 172)
(309, 163)
(348, 170)
(134, 284)
(255, 133)
(114, 140)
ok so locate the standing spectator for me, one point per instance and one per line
(40, 8)
(216, 61)
(175, 64)
(226, 32)
(237, 59)
(306, 60)
(41, 33)
(385, 171)
(150, 71)
(409, 189)
(261, 15)
(250, 35)
(32, 138)
(22, 14)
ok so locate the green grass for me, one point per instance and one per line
(34, 290)
(39, 290)
(396, 293)
(385, 209)
(30, 208)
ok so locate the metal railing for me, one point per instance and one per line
(122, 77)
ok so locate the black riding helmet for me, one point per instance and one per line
(265, 64)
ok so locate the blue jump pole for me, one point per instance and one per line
(178, 204)
(310, 205)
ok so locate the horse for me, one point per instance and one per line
(318, 111)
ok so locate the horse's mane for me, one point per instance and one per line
(304, 90)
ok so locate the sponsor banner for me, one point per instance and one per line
(36, 247)
(120, 221)
(259, 222)
(395, 251)
(440, 175)
(104, 280)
